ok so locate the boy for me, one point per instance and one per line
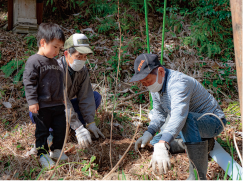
(43, 80)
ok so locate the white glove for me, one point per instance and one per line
(142, 141)
(83, 137)
(93, 128)
(161, 157)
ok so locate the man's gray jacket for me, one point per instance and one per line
(81, 88)
(180, 95)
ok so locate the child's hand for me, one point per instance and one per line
(34, 108)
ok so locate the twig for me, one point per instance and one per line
(67, 125)
(123, 156)
(119, 105)
(131, 96)
(14, 174)
(97, 85)
(92, 71)
(114, 100)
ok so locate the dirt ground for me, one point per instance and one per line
(15, 165)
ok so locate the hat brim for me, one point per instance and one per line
(138, 77)
(84, 50)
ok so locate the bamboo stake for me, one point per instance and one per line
(114, 100)
(148, 47)
(163, 34)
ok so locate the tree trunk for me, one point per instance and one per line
(236, 11)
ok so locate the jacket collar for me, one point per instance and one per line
(165, 81)
(70, 70)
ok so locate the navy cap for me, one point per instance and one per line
(143, 65)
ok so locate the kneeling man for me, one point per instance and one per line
(193, 111)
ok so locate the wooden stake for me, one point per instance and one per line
(237, 23)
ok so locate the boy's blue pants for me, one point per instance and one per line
(74, 102)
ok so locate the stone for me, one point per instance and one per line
(24, 16)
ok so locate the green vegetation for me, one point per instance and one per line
(31, 41)
(107, 25)
(14, 67)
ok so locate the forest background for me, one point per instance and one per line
(198, 42)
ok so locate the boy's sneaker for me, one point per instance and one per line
(56, 153)
(46, 161)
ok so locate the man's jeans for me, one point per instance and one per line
(208, 126)
(74, 102)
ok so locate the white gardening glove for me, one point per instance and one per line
(142, 141)
(83, 137)
(93, 128)
(161, 157)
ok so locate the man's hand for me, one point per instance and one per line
(142, 141)
(34, 108)
(83, 137)
(161, 157)
(93, 128)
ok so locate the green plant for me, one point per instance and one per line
(31, 41)
(219, 79)
(53, 9)
(80, 3)
(211, 30)
(233, 108)
(107, 24)
(2, 93)
(102, 8)
(86, 167)
(14, 67)
(113, 62)
(173, 20)
(139, 99)
(53, 5)
(80, 19)
(136, 44)
(5, 122)
(127, 22)
(28, 175)
(121, 118)
(138, 5)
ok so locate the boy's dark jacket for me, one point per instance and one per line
(43, 81)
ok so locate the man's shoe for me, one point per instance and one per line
(46, 161)
(56, 153)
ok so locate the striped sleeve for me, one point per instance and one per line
(158, 115)
(180, 94)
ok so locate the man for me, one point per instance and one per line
(194, 113)
(78, 83)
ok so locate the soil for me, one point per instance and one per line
(134, 166)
